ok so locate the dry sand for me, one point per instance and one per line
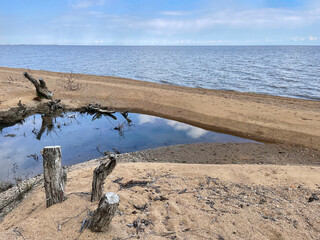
(234, 201)
(183, 201)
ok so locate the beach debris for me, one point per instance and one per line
(97, 108)
(5, 185)
(21, 106)
(182, 191)
(41, 86)
(99, 151)
(118, 180)
(133, 183)
(9, 135)
(125, 115)
(313, 197)
(116, 150)
(141, 208)
(99, 176)
(210, 203)
(160, 198)
(18, 231)
(98, 111)
(55, 176)
(139, 225)
(55, 105)
(220, 237)
(100, 219)
(34, 156)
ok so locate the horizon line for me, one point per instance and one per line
(153, 45)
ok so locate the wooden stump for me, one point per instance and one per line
(102, 216)
(99, 175)
(54, 176)
(41, 86)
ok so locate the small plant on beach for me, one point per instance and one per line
(71, 85)
(16, 178)
(10, 79)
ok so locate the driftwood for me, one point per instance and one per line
(54, 176)
(99, 175)
(41, 86)
(102, 216)
(96, 108)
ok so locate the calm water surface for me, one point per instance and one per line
(291, 71)
(83, 138)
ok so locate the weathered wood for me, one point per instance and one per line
(102, 216)
(41, 86)
(99, 175)
(54, 176)
(96, 108)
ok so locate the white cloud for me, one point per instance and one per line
(146, 119)
(311, 38)
(193, 132)
(255, 18)
(300, 39)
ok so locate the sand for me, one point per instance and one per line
(185, 201)
(259, 117)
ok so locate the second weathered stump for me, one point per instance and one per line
(102, 216)
(54, 176)
(99, 175)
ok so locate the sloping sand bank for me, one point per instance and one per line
(182, 202)
(259, 117)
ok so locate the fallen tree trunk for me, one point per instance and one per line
(102, 216)
(54, 176)
(99, 176)
(41, 86)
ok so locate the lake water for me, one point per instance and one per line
(82, 137)
(292, 71)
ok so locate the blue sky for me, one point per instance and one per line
(160, 22)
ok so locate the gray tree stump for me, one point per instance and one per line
(54, 176)
(99, 176)
(102, 216)
(41, 86)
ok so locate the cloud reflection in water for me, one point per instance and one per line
(192, 131)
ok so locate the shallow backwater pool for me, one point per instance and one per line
(83, 137)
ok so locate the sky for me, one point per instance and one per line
(160, 22)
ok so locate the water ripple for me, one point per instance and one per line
(292, 71)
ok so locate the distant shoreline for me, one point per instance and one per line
(111, 45)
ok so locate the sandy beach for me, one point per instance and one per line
(258, 117)
(199, 191)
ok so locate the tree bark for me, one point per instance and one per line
(41, 86)
(102, 216)
(99, 176)
(54, 176)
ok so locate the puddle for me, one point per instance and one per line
(83, 137)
